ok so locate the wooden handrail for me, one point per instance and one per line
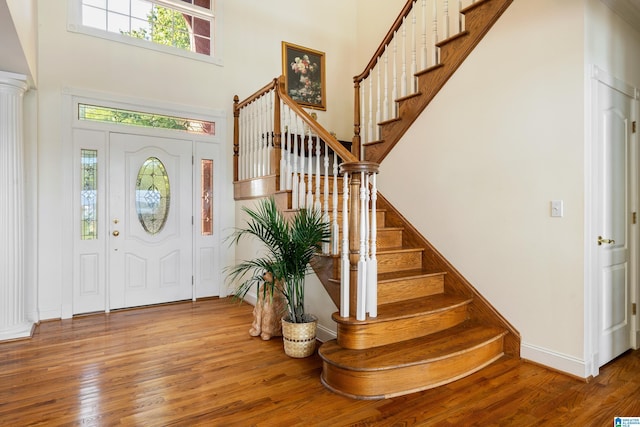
(260, 92)
(387, 39)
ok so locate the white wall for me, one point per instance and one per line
(481, 193)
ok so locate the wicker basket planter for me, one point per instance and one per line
(299, 338)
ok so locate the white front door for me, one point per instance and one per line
(613, 244)
(150, 220)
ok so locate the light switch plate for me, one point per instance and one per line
(557, 208)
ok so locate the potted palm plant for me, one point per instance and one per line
(290, 244)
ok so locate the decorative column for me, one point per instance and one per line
(13, 319)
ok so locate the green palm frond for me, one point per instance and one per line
(290, 246)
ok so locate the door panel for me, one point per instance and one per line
(614, 120)
(150, 253)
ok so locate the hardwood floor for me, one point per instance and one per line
(192, 364)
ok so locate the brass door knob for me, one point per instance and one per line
(602, 240)
(116, 233)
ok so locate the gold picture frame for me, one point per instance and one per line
(304, 77)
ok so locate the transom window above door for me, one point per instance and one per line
(185, 27)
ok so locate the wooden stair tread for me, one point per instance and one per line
(399, 249)
(409, 308)
(406, 274)
(450, 342)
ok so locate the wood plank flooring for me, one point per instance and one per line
(194, 363)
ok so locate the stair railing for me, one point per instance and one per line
(274, 136)
(410, 46)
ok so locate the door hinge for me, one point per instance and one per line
(633, 127)
(192, 281)
(634, 218)
(633, 308)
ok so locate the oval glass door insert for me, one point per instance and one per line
(153, 195)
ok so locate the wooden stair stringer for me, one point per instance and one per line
(479, 18)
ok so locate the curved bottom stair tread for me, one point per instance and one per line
(410, 366)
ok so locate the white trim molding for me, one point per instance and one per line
(558, 361)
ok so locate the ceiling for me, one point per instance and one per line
(629, 10)
(12, 57)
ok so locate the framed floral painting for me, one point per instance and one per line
(303, 70)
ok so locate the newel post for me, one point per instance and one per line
(360, 239)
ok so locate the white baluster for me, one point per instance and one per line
(363, 134)
(446, 19)
(309, 201)
(394, 90)
(289, 130)
(246, 141)
(326, 247)
(424, 56)
(361, 291)
(335, 231)
(435, 33)
(266, 132)
(403, 76)
(241, 146)
(302, 189)
(414, 63)
(256, 139)
(316, 197)
(385, 109)
(460, 17)
(370, 78)
(295, 185)
(372, 262)
(270, 119)
(252, 139)
(378, 98)
(345, 268)
(283, 147)
(249, 141)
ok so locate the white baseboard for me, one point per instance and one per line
(50, 313)
(554, 360)
(22, 330)
(325, 334)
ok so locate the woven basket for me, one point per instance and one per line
(299, 338)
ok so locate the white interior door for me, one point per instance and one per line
(614, 302)
(150, 220)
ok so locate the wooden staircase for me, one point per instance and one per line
(432, 326)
